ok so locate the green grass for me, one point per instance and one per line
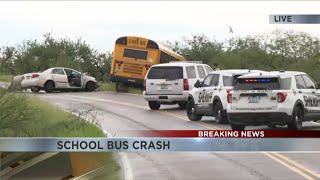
(5, 78)
(23, 116)
(108, 86)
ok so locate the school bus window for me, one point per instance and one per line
(133, 53)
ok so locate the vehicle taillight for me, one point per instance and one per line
(145, 84)
(229, 98)
(281, 97)
(185, 85)
(119, 62)
(147, 66)
(34, 75)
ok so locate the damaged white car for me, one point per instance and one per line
(58, 79)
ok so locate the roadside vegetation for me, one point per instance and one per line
(278, 50)
(5, 78)
(23, 116)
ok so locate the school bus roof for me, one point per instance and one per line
(161, 47)
(171, 52)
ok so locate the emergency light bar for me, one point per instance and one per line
(257, 80)
(260, 80)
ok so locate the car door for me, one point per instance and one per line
(313, 97)
(206, 92)
(60, 78)
(76, 78)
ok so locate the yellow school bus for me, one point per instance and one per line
(133, 56)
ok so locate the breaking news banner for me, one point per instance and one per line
(174, 140)
(294, 19)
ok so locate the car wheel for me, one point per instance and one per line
(154, 105)
(90, 86)
(297, 119)
(237, 127)
(49, 86)
(182, 105)
(192, 111)
(220, 115)
(35, 90)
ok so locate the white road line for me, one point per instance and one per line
(315, 123)
(126, 166)
(144, 107)
(125, 162)
(124, 159)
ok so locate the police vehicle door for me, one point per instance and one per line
(311, 97)
(207, 91)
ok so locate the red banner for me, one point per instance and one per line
(228, 133)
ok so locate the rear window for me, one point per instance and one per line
(191, 72)
(137, 54)
(285, 83)
(165, 73)
(227, 80)
(257, 84)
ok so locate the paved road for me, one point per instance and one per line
(119, 112)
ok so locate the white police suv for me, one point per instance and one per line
(209, 97)
(273, 98)
(170, 83)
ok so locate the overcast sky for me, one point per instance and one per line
(101, 22)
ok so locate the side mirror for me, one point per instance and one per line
(197, 84)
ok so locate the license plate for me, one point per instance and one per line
(163, 87)
(254, 99)
(118, 69)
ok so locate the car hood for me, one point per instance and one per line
(86, 77)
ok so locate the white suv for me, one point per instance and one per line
(209, 98)
(273, 98)
(170, 83)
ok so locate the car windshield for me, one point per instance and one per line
(165, 73)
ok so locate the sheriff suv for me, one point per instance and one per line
(170, 83)
(273, 98)
(209, 97)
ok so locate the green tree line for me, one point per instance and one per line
(278, 50)
(35, 56)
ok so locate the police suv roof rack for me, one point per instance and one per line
(197, 62)
(282, 71)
